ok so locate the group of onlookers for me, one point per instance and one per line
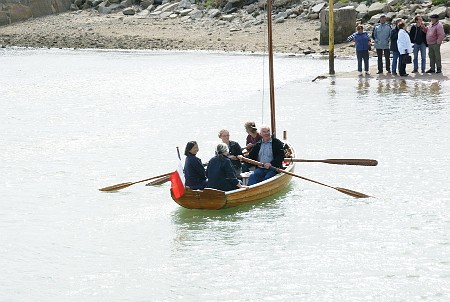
(401, 43)
(223, 171)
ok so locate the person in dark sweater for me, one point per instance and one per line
(234, 150)
(270, 151)
(194, 172)
(418, 36)
(220, 172)
(394, 48)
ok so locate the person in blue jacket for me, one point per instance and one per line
(220, 172)
(362, 45)
(194, 172)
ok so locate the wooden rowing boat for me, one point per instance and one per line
(212, 199)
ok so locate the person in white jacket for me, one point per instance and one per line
(404, 47)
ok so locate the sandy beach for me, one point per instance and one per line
(89, 29)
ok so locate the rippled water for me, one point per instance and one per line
(75, 121)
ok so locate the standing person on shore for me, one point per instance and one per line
(418, 35)
(362, 44)
(404, 47)
(194, 171)
(381, 35)
(234, 150)
(435, 36)
(394, 48)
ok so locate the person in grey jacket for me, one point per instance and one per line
(381, 35)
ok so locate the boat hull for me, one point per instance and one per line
(212, 199)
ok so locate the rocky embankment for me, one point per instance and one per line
(234, 25)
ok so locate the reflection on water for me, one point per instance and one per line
(409, 88)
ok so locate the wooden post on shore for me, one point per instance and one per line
(331, 36)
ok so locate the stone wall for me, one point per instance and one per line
(21, 10)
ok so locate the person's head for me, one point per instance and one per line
(434, 18)
(222, 149)
(397, 21)
(359, 28)
(250, 127)
(418, 19)
(382, 18)
(191, 148)
(265, 133)
(401, 25)
(224, 135)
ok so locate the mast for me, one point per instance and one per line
(271, 82)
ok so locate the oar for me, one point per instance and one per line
(355, 162)
(342, 190)
(127, 184)
(160, 181)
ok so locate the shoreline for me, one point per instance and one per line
(87, 29)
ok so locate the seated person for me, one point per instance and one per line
(234, 151)
(253, 135)
(269, 151)
(252, 138)
(194, 172)
(220, 171)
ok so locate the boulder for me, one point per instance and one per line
(214, 13)
(344, 24)
(441, 11)
(146, 3)
(48, 7)
(317, 8)
(377, 8)
(18, 12)
(362, 8)
(4, 18)
(129, 11)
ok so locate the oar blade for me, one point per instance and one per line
(352, 193)
(160, 181)
(355, 162)
(116, 187)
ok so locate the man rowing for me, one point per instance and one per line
(269, 151)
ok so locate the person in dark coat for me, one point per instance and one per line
(194, 172)
(418, 36)
(234, 150)
(269, 151)
(394, 47)
(220, 172)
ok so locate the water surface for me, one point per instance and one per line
(75, 121)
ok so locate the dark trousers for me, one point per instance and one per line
(360, 56)
(402, 67)
(386, 53)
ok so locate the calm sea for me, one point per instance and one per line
(75, 121)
